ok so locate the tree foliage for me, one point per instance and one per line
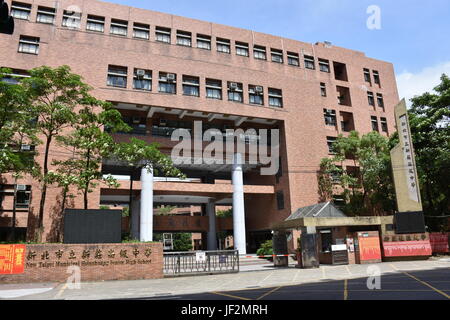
(367, 188)
(430, 128)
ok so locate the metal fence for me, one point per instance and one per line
(202, 262)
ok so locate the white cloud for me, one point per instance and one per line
(414, 84)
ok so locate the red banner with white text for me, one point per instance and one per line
(12, 259)
(407, 248)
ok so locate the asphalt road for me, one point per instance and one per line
(412, 285)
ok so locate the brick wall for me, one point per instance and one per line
(99, 262)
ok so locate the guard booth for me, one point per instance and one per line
(323, 234)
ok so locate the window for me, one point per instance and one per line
(375, 124)
(275, 98)
(277, 55)
(223, 45)
(213, 89)
(259, 52)
(203, 42)
(142, 80)
(340, 71)
(191, 86)
(165, 128)
(71, 19)
(347, 123)
(167, 83)
(324, 65)
(367, 76)
(20, 10)
(235, 92)
(326, 240)
(29, 45)
(371, 98)
(15, 77)
(384, 125)
(330, 117)
(330, 143)
(46, 15)
(184, 38)
(380, 100)
(119, 27)
(376, 77)
(256, 94)
(163, 34)
(293, 59)
(141, 31)
(309, 63)
(23, 196)
(323, 89)
(280, 200)
(117, 76)
(95, 23)
(242, 49)
(336, 175)
(344, 97)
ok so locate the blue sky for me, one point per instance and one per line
(414, 34)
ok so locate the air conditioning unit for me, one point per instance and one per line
(25, 147)
(140, 73)
(21, 187)
(234, 86)
(259, 89)
(171, 77)
(163, 123)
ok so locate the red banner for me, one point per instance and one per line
(12, 259)
(407, 249)
(369, 248)
(439, 242)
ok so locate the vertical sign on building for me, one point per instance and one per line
(12, 259)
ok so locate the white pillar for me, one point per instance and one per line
(146, 219)
(239, 237)
(212, 233)
(135, 218)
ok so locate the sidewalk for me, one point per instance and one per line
(171, 287)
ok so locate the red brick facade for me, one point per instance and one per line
(301, 118)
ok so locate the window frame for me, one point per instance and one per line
(43, 11)
(21, 7)
(236, 92)
(163, 35)
(293, 56)
(27, 40)
(113, 74)
(93, 20)
(188, 84)
(141, 27)
(275, 95)
(277, 53)
(147, 77)
(308, 61)
(259, 52)
(241, 48)
(222, 43)
(164, 82)
(117, 24)
(324, 65)
(205, 40)
(184, 36)
(71, 16)
(252, 95)
(211, 87)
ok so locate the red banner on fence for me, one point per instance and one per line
(12, 259)
(439, 242)
(407, 248)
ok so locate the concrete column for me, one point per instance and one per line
(212, 234)
(239, 237)
(135, 219)
(146, 217)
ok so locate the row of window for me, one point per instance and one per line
(72, 19)
(368, 78)
(167, 83)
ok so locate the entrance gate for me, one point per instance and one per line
(201, 263)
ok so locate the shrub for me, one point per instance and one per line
(266, 249)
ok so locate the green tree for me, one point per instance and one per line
(182, 242)
(368, 189)
(90, 144)
(16, 129)
(54, 96)
(430, 128)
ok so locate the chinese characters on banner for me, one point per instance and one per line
(408, 155)
(12, 259)
(369, 248)
(407, 249)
